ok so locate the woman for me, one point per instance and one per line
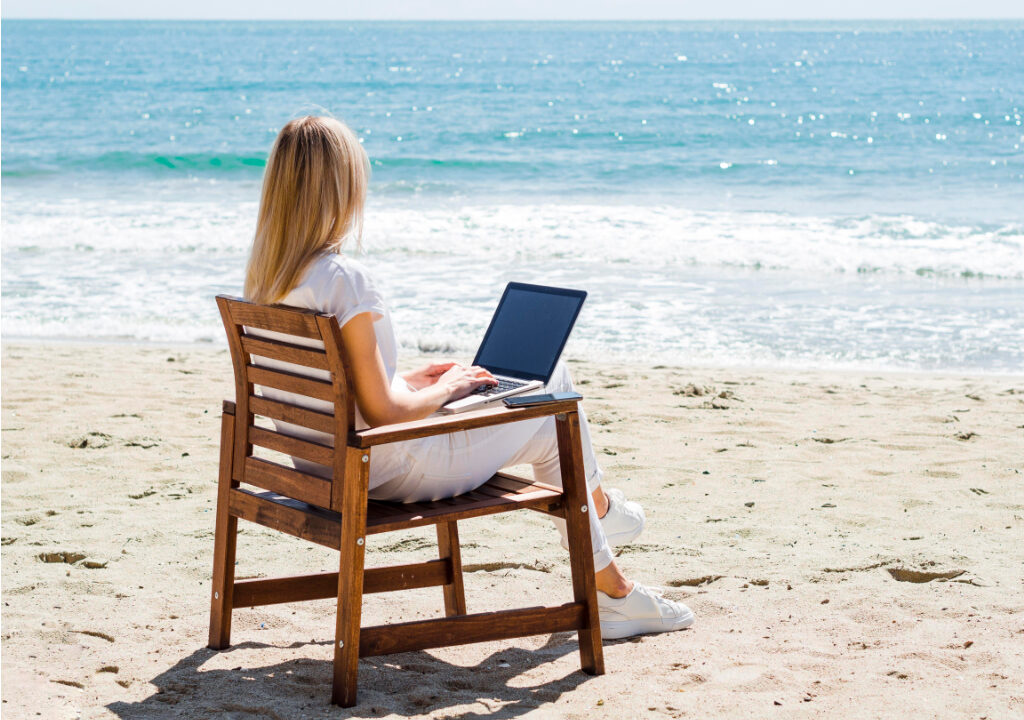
(313, 195)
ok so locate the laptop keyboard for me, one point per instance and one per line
(501, 387)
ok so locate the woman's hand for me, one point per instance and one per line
(461, 381)
(374, 396)
(427, 375)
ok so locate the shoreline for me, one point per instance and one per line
(406, 355)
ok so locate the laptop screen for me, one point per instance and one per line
(529, 330)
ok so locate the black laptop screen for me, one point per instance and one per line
(529, 330)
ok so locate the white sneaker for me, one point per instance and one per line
(643, 611)
(623, 522)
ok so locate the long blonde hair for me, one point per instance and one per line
(314, 189)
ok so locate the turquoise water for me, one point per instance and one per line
(767, 193)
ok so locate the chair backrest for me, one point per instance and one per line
(298, 352)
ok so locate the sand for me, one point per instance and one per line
(851, 543)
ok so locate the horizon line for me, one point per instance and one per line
(513, 20)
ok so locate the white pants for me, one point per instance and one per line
(447, 465)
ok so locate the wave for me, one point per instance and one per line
(664, 237)
(559, 165)
(115, 162)
(671, 283)
(644, 238)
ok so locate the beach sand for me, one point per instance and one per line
(851, 543)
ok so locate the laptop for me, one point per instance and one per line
(523, 342)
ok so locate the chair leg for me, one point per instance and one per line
(448, 549)
(581, 555)
(350, 579)
(225, 537)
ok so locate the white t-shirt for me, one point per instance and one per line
(340, 286)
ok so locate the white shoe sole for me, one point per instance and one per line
(616, 629)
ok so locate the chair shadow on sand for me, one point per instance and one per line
(412, 683)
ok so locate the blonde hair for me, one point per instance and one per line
(314, 188)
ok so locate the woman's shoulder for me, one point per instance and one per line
(337, 283)
(334, 266)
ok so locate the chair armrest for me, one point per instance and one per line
(228, 408)
(452, 423)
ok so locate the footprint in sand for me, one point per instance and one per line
(538, 566)
(61, 556)
(922, 576)
(691, 390)
(70, 558)
(143, 442)
(95, 634)
(94, 440)
(694, 582)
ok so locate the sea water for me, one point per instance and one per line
(799, 194)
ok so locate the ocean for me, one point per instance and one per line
(835, 195)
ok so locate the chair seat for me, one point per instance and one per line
(499, 494)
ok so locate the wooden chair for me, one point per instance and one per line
(332, 509)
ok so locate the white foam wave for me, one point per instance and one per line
(660, 236)
(668, 283)
(644, 237)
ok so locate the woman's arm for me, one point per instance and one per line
(427, 375)
(378, 403)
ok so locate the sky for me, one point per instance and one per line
(520, 10)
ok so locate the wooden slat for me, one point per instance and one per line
(288, 516)
(468, 506)
(377, 508)
(294, 414)
(243, 388)
(288, 352)
(450, 552)
(351, 556)
(299, 588)
(452, 423)
(481, 627)
(296, 447)
(492, 491)
(225, 535)
(406, 577)
(578, 509)
(322, 526)
(512, 484)
(518, 485)
(348, 465)
(292, 321)
(286, 481)
(320, 389)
